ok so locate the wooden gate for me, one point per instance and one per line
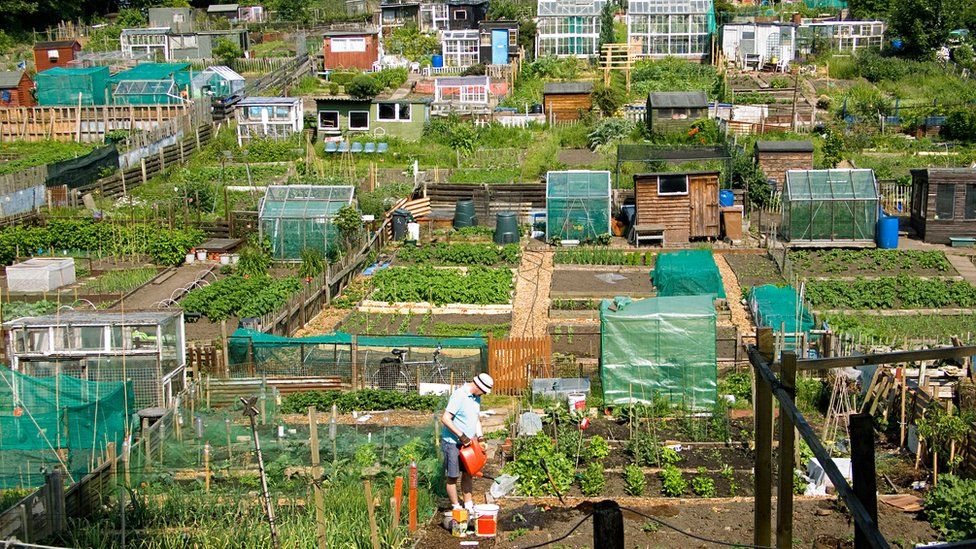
(703, 191)
(514, 362)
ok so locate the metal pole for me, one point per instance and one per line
(251, 412)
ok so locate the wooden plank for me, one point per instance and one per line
(898, 357)
(762, 519)
(863, 472)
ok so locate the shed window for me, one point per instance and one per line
(348, 45)
(945, 195)
(460, 15)
(971, 201)
(672, 184)
(393, 111)
(329, 120)
(359, 120)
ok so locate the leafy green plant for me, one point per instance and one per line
(737, 384)
(362, 400)
(313, 264)
(634, 480)
(593, 480)
(673, 483)
(479, 285)
(890, 292)
(240, 296)
(462, 253)
(729, 475)
(530, 453)
(951, 508)
(120, 282)
(597, 448)
(253, 261)
(939, 429)
(702, 484)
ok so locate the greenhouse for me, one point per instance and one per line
(61, 86)
(568, 28)
(662, 347)
(780, 309)
(679, 28)
(152, 84)
(296, 217)
(690, 272)
(59, 420)
(824, 207)
(577, 205)
(217, 82)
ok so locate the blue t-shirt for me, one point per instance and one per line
(464, 407)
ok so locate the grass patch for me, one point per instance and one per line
(17, 156)
(929, 327)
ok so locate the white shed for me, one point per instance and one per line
(752, 45)
(268, 117)
(41, 274)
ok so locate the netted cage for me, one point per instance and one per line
(152, 84)
(296, 217)
(688, 272)
(783, 310)
(59, 421)
(65, 86)
(821, 207)
(428, 363)
(577, 205)
(659, 348)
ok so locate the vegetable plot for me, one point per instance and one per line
(241, 297)
(462, 253)
(890, 292)
(477, 286)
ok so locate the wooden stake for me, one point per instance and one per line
(206, 466)
(787, 444)
(863, 471)
(412, 499)
(374, 534)
(317, 478)
(762, 527)
(904, 389)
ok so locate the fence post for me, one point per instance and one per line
(55, 490)
(787, 444)
(863, 472)
(763, 414)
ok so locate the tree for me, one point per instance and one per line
(870, 9)
(227, 51)
(924, 25)
(960, 125)
(364, 86)
(607, 31)
(291, 10)
(609, 99)
(131, 19)
(833, 148)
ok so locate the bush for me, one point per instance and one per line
(364, 87)
(593, 481)
(609, 99)
(634, 481)
(960, 124)
(363, 400)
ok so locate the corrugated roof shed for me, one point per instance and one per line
(784, 146)
(677, 100)
(56, 44)
(567, 88)
(10, 79)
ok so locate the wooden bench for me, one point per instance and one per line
(647, 233)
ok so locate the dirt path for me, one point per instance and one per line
(530, 309)
(964, 265)
(162, 288)
(733, 292)
(324, 323)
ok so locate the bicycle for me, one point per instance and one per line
(395, 374)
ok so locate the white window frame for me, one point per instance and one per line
(660, 177)
(358, 129)
(348, 44)
(464, 15)
(326, 128)
(396, 112)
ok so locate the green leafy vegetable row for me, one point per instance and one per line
(363, 400)
(840, 261)
(479, 286)
(164, 246)
(241, 297)
(890, 292)
(601, 256)
(462, 253)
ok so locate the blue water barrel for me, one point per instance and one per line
(887, 235)
(437, 61)
(726, 198)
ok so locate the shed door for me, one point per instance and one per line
(703, 191)
(499, 46)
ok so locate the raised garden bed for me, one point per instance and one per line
(571, 283)
(754, 269)
(890, 292)
(360, 323)
(460, 253)
(842, 262)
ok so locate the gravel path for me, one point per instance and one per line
(740, 316)
(530, 308)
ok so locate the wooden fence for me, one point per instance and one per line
(489, 200)
(514, 362)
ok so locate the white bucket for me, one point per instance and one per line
(576, 401)
(224, 259)
(485, 510)
(413, 231)
(190, 258)
(202, 255)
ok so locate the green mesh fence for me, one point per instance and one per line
(296, 217)
(577, 205)
(780, 309)
(660, 347)
(63, 420)
(253, 353)
(63, 86)
(689, 272)
(830, 206)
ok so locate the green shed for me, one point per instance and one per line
(62, 86)
(659, 347)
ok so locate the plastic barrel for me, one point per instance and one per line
(536, 108)
(437, 61)
(400, 220)
(628, 213)
(506, 228)
(726, 198)
(887, 235)
(464, 214)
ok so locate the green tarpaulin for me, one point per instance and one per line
(691, 272)
(662, 346)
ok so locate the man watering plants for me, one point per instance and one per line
(461, 424)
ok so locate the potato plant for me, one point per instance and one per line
(478, 286)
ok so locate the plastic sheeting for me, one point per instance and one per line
(663, 346)
(577, 204)
(24, 200)
(690, 272)
(80, 171)
(64, 86)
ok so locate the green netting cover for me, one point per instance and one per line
(690, 272)
(39, 416)
(295, 217)
(826, 4)
(61, 86)
(830, 206)
(151, 83)
(663, 346)
(776, 307)
(577, 204)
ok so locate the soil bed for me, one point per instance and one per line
(754, 270)
(589, 283)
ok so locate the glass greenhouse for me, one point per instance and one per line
(568, 28)
(295, 217)
(830, 206)
(671, 27)
(577, 205)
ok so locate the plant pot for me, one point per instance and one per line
(224, 259)
(190, 258)
(202, 255)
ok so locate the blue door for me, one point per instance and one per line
(499, 46)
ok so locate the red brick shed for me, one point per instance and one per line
(15, 89)
(775, 158)
(55, 54)
(351, 49)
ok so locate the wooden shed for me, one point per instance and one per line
(944, 204)
(351, 49)
(775, 158)
(567, 101)
(677, 206)
(675, 111)
(55, 54)
(15, 89)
